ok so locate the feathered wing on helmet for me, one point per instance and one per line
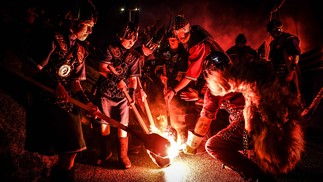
(155, 40)
(73, 13)
(170, 27)
(129, 31)
(147, 33)
(81, 10)
(168, 32)
(128, 24)
(152, 38)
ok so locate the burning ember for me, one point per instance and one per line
(173, 150)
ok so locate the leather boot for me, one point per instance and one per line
(123, 152)
(135, 145)
(106, 152)
(60, 175)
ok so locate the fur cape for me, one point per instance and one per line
(272, 114)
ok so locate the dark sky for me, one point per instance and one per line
(224, 19)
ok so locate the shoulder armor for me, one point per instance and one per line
(198, 35)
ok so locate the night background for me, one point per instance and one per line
(224, 19)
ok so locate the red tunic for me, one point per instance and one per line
(197, 54)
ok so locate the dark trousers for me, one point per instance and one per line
(226, 146)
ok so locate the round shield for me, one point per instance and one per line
(64, 70)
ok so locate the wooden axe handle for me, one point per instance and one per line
(153, 142)
(136, 112)
(148, 111)
(70, 99)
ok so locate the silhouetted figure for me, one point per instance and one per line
(53, 125)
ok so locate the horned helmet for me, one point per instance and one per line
(82, 10)
(129, 31)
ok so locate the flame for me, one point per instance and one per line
(174, 148)
(154, 129)
(177, 172)
(162, 122)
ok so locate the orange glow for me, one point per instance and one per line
(173, 150)
(177, 172)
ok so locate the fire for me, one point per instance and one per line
(177, 172)
(173, 150)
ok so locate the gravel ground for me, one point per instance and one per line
(19, 165)
(197, 168)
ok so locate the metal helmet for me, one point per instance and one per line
(181, 28)
(274, 25)
(153, 41)
(241, 38)
(130, 31)
(170, 34)
(216, 60)
(82, 10)
(180, 22)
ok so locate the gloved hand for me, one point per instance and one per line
(192, 143)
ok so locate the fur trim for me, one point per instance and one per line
(272, 117)
(279, 148)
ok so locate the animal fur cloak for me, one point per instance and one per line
(272, 114)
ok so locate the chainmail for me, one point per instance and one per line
(236, 119)
(245, 142)
(237, 123)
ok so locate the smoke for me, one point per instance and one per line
(226, 19)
